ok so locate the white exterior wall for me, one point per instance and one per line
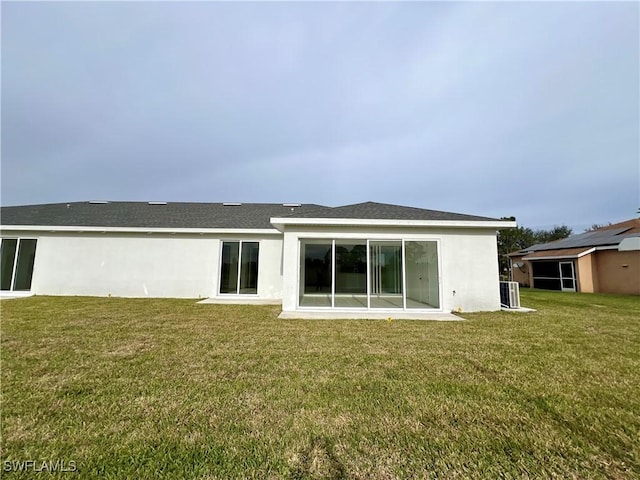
(470, 269)
(188, 265)
(468, 263)
(142, 265)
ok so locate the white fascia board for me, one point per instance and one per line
(560, 257)
(563, 257)
(586, 252)
(608, 247)
(81, 229)
(281, 222)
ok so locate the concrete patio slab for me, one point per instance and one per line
(441, 316)
(519, 310)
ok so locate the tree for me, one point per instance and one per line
(514, 239)
(596, 226)
(556, 233)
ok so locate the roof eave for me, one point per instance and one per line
(148, 230)
(281, 223)
(560, 257)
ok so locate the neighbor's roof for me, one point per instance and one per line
(610, 235)
(150, 214)
(384, 211)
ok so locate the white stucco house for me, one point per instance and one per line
(367, 257)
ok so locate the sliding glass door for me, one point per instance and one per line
(239, 268)
(17, 260)
(369, 274)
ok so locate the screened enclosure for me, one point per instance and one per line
(554, 275)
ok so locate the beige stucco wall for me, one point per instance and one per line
(586, 274)
(602, 271)
(618, 272)
(521, 275)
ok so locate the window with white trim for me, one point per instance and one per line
(17, 256)
(239, 268)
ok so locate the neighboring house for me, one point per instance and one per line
(368, 256)
(605, 260)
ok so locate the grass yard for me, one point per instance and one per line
(138, 388)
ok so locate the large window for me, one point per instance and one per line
(369, 274)
(17, 258)
(239, 268)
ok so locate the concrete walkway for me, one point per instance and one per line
(518, 310)
(13, 296)
(240, 301)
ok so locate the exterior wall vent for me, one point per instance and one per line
(157, 203)
(231, 204)
(97, 202)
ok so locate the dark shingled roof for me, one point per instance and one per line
(384, 211)
(144, 215)
(205, 215)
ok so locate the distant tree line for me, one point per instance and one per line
(514, 239)
(596, 226)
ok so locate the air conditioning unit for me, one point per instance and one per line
(510, 294)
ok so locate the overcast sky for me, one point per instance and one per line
(524, 109)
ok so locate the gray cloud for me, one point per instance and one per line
(527, 109)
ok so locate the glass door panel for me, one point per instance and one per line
(351, 274)
(385, 274)
(249, 268)
(24, 267)
(421, 270)
(8, 255)
(315, 274)
(229, 268)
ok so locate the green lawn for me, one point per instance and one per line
(172, 389)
